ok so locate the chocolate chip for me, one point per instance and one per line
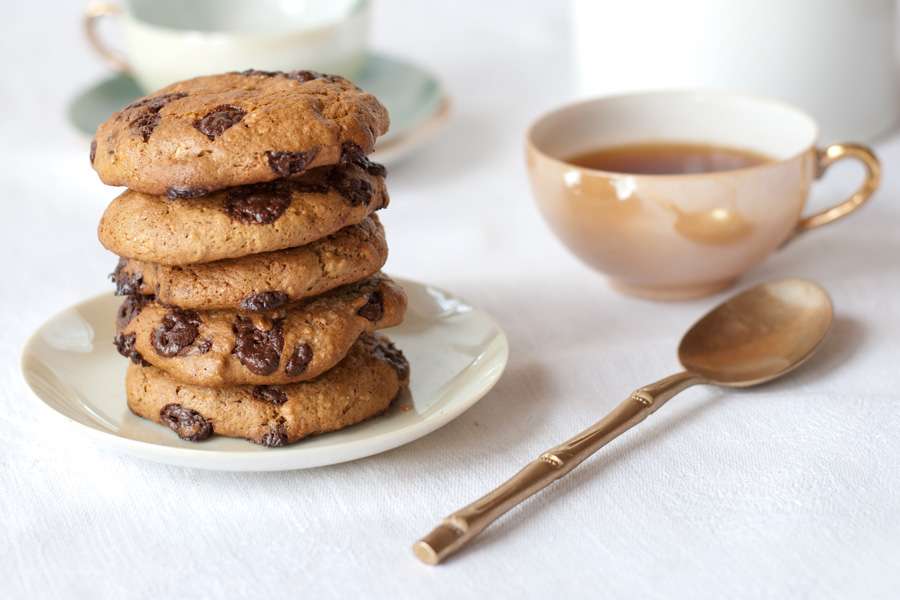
(299, 360)
(355, 190)
(376, 169)
(129, 309)
(219, 119)
(127, 283)
(303, 76)
(261, 203)
(263, 301)
(257, 349)
(373, 309)
(259, 73)
(187, 423)
(268, 393)
(385, 350)
(274, 439)
(175, 192)
(201, 348)
(93, 150)
(353, 154)
(178, 330)
(144, 124)
(155, 103)
(125, 345)
(290, 163)
(305, 187)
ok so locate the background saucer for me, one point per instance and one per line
(417, 103)
(456, 352)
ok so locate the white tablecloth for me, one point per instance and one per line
(790, 490)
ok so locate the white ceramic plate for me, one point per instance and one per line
(456, 353)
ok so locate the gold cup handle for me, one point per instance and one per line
(827, 157)
(92, 15)
(462, 526)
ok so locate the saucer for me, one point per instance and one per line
(456, 354)
(415, 99)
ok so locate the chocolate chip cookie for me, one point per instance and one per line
(209, 133)
(261, 282)
(241, 221)
(286, 345)
(361, 386)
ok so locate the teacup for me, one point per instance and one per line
(171, 40)
(683, 235)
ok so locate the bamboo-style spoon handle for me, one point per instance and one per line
(458, 529)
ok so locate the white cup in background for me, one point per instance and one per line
(833, 58)
(171, 40)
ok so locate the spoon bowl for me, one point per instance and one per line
(759, 334)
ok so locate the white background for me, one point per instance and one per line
(791, 490)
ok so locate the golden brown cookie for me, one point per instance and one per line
(226, 347)
(240, 221)
(261, 282)
(209, 133)
(361, 386)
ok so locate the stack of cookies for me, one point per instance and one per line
(250, 256)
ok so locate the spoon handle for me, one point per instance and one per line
(462, 526)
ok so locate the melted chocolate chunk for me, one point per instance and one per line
(268, 393)
(93, 150)
(178, 330)
(145, 122)
(177, 191)
(261, 203)
(125, 345)
(285, 164)
(264, 301)
(187, 423)
(130, 308)
(373, 309)
(353, 154)
(386, 351)
(302, 75)
(201, 348)
(305, 187)
(127, 283)
(274, 438)
(219, 119)
(257, 349)
(155, 103)
(355, 190)
(259, 73)
(299, 360)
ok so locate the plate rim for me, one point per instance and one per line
(245, 460)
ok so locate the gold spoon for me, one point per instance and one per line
(756, 336)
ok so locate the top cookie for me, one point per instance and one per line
(209, 133)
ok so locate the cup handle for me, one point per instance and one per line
(827, 157)
(92, 15)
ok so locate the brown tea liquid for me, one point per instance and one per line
(667, 158)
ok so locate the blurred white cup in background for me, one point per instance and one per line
(170, 40)
(834, 58)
